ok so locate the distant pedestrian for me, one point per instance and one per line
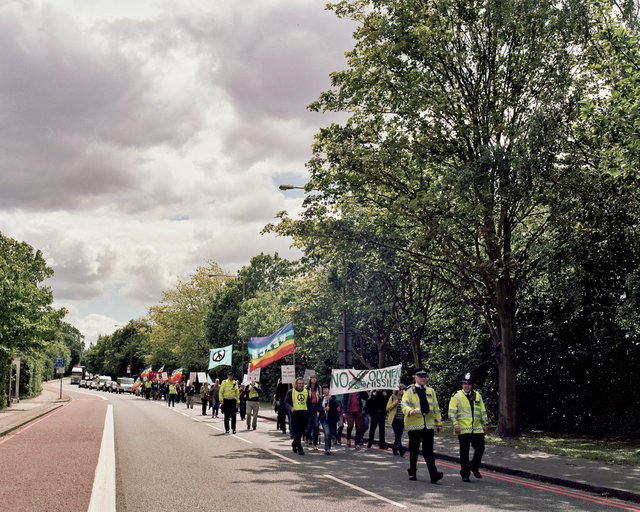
(280, 407)
(172, 395)
(297, 402)
(469, 418)
(377, 408)
(215, 398)
(395, 419)
(328, 418)
(253, 404)
(204, 397)
(147, 389)
(315, 407)
(229, 396)
(242, 402)
(352, 413)
(421, 418)
(190, 393)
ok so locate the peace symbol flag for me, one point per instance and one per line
(220, 356)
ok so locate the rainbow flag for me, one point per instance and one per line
(176, 374)
(161, 369)
(264, 351)
(146, 372)
(136, 385)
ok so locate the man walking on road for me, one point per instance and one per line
(298, 402)
(421, 417)
(469, 417)
(253, 404)
(229, 395)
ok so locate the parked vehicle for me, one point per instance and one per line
(77, 374)
(104, 383)
(114, 387)
(126, 383)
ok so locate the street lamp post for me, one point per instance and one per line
(289, 187)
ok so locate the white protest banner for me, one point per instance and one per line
(288, 374)
(307, 375)
(345, 381)
(251, 376)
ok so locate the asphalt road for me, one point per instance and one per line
(175, 458)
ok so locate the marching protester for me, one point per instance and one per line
(297, 402)
(215, 398)
(352, 413)
(253, 404)
(395, 419)
(315, 394)
(229, 396)
(172, 394)
(204, 397)
(328, 417)
(190, 393)
(469, 417)
(377, 408)
(421, 417)
(242, 402)
(147, 389)
(280, 408)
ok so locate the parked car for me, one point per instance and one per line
(114, 387)
(91, 384)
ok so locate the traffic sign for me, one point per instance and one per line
(59, 363)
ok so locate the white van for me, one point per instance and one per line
(104, 383)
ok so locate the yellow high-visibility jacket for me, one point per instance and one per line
(411, 400)
(229, 390)
(469, 417)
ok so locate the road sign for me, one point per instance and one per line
(59, 369)
(59, 363)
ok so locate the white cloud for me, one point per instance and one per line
(141, 139)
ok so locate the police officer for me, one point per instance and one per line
(298, 402)
(469, 417)
(229, 395)
(421, 418)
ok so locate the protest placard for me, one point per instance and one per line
(352, 381)
(288, 374)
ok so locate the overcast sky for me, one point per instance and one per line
(141, 138)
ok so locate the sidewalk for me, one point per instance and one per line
(611, 480)
(30, 409)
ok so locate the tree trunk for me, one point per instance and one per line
(508, 425)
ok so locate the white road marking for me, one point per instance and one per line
(103, 494)
(364, 491)
(276, 454)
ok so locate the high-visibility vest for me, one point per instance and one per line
(299, 399)
(254, 392)
(229, 390)
(172, 389)
(411, 400)
(147, 384)
(470, 418)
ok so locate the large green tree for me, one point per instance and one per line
(457, 114)
(28, 321)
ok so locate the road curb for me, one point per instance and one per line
(34, 415)
(608, 492)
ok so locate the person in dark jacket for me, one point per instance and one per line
(280, 408)
(328, 417)
(352, 413)
(377, 409)
(298, 402)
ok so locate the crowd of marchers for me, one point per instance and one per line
(309, 409)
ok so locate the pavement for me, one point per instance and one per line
(609, 480)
